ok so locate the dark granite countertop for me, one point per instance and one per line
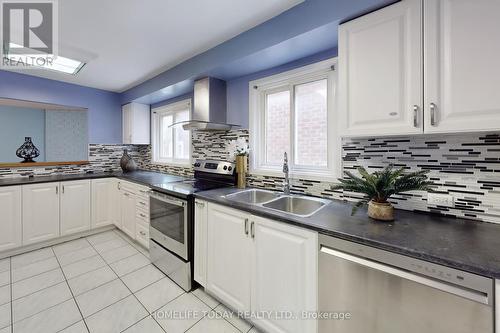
(462, 244)
(147, 178)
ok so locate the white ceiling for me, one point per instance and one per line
(126, 42)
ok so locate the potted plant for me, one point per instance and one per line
(379, 186)
(240, 149)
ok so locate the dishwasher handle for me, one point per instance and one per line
(482, 297)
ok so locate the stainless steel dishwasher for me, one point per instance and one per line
(384, 292)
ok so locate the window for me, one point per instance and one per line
(294, 112)
(171, 144)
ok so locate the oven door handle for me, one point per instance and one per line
(169, 200)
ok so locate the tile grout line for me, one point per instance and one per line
(55, 269)
(134, 297)
(131, 294)
(184, 292)
(150, 314)
(71, 292)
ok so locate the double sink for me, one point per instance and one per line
(290, 204)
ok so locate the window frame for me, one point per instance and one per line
(156, 115)
(286, 81)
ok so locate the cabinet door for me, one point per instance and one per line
(380, 72)
(75, 207)
(462, 76)
(10, 208)
(40, 212)
(127, 123)
(128, 213)
(228, 264)
(103, 203)
(117, 200)
(200, 242)
(136, 123)
(497, 306)
(284, 275)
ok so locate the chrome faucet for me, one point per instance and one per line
(286, 184)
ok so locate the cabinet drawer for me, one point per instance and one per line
(142, 216)
(139, 190)
(142, 233)
(142, 203)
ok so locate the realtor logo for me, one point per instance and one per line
(29, 32)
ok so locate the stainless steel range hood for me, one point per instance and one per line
(209, 111)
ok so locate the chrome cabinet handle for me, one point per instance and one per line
(252, 229)
(63, 189)
(142, 233)
(142, 215)
(415, 115)
(201, 204)
(246, 227)
(57, 189)
(142, 203)
(433, 114)
(119, 187)
(126, 194)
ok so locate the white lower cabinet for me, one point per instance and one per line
(127, 204)
(259, 265)
(497, 306)
(11, 226)
(40, 212)
(284, 276)
(103, 202)
(117, 200)
(75, 207)
(229, 257)
(200, 241)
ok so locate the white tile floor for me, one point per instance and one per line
(98, 284)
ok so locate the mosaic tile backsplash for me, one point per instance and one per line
(102, 158)
(466, 166)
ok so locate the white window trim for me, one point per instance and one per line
(155, 133)
(304, 74)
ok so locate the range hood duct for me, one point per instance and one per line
(209, 111)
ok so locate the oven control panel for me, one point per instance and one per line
(214, 166)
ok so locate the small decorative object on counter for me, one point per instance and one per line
(27, 151)
(379, 186)
(240, 149)
(127, 163)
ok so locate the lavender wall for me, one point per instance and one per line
(237, 89)
(104, 107)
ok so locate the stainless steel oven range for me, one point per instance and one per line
(172, 219)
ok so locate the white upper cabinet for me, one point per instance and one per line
(393, 80)
(136, 123)
(462, 75)
(40, 212)
(380, 72)
(103, 202)
(75, 206)
(11, 226)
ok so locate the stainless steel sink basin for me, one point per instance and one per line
(300, 206)
(253, 196)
